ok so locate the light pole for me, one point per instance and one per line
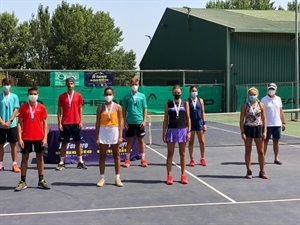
(297, 59)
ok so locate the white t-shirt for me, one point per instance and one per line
(272, 106)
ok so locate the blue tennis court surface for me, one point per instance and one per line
(216, 194)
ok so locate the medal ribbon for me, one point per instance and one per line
(70, 98)
(134, 98)
(194, 103)
(32, 111)
(177, 108)
(252, 108)
(109, 112)
(6, 99)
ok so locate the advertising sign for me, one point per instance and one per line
(99, 79)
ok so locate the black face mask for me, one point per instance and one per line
(177, 96)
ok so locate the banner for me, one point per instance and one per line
(90, 151)
(287, 93)
(99, 79)
(156, 97)
(58, 78)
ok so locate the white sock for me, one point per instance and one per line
(14, 163)
(102, 176)
(1, 163)
(143, 155)
(127, 155)
(117, 176)
(79, 159)
(62, 159)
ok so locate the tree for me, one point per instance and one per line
(84, 40)
(38, 55)
(291, 6)
(13, 39)
(241, 4)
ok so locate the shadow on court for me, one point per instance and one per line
(216, 194)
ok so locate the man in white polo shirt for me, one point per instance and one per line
(275, 120)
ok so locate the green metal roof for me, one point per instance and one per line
(261, 21)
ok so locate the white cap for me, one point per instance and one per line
(272, 86)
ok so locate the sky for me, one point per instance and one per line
(136, 18)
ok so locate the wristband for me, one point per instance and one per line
(204, 122)
(283, 123)
(242, 132)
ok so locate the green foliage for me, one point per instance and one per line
(241, 4)
(73, 38)
(291, 6)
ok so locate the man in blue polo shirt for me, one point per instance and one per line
(9, 106)
(134, 116)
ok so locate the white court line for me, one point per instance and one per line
(197, 178)
(233, 132)
(146, 207)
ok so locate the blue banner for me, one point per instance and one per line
(90, 151)
(99, 79)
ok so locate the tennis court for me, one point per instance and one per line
(216, 194)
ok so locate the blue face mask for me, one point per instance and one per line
(252, 98)
(194, 94)
(6, 88)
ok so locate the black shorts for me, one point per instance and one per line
(135, 130)
(8, 135)
(253, 131)
(37, 147)
(68, 131)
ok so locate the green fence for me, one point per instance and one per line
(156, 97)
(286, 91)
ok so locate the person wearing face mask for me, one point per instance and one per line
(176, 129)
(9, 106)
(198, 124)
(70, 122)
(275, 120)
(109, 132)
(134, 117)
(253, 127)
(32, 117)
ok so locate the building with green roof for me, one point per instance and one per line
(228, 47)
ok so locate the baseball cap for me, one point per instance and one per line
(70, 79)
(272, 85)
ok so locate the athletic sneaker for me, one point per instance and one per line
(60, 166)
(262, 174)
(43, 185)
(203, 161)
(144, 163)
(169, 180)
(119, 183)
(249, 174)
(192, 163)
(21, 186)
(1, 168)
(183, 179)
(81, 165)
(15, 168)
(126, 163)
(278, 162)
(101, 182)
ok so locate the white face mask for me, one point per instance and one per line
(109, 98)
(271, 92)
(194, 94)
(33, 98)
(134, 87)
(6, 88)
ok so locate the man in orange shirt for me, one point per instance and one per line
(32, 132)
(69, 115)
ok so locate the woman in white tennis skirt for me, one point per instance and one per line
(109, 132)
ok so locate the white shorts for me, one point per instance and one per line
(108, 135)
